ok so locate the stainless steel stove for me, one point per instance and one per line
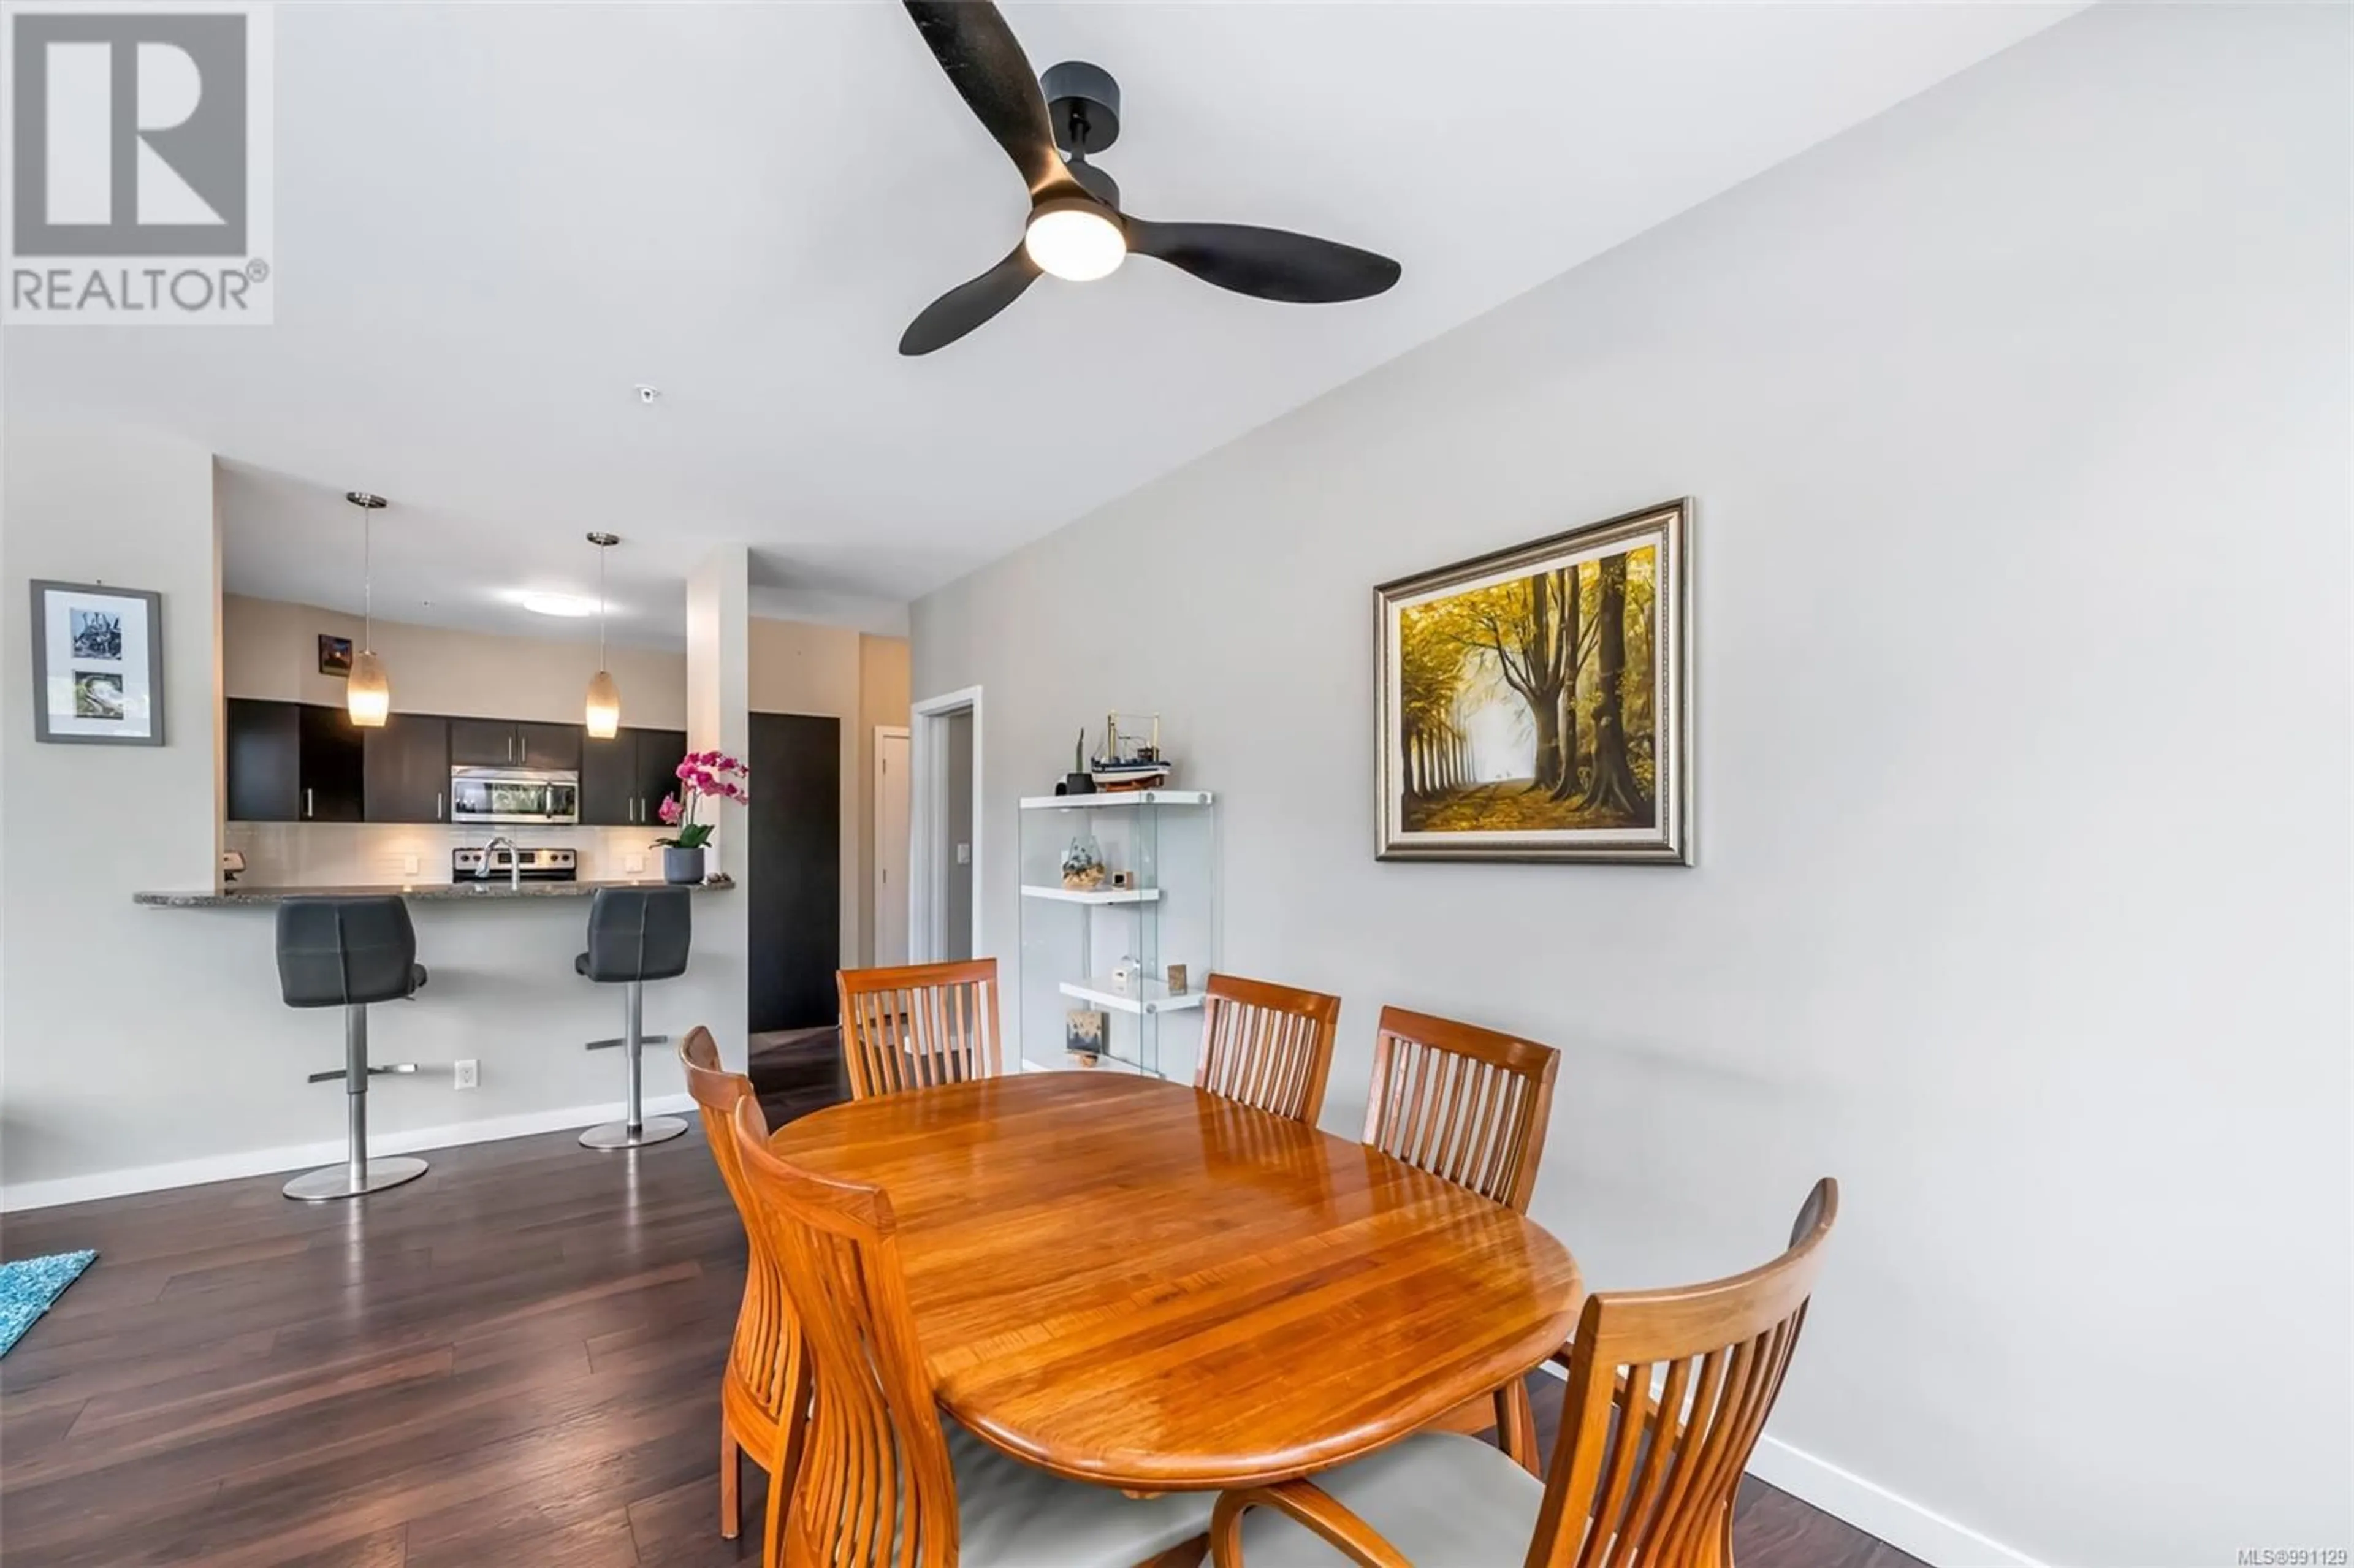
(523, 864)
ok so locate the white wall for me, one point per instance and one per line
(2017, 420)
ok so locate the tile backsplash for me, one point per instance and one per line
(337, 854)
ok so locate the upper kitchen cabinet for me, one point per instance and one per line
(659, 751)
(482, 743)
(503, 743)
(292, 762)
(623, 780)
(407, 772)
(549, 745)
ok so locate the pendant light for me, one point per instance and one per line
(604, 715)
(368, 695)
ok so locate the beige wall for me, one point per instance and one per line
(269, 648)
(883, 694)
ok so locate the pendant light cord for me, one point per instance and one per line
(367, 580)
(600, 604)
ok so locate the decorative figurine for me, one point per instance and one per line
(1082, 866)
(1124, 976)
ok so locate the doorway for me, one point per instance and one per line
(945, 828)
(891, 844)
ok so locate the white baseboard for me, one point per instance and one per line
(296, 1157)
(1900, 1521)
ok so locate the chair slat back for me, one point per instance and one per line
(1668, 1392)
(1269, 1047)
(876, 1488)
(764, 1361)
(914, 1025)
(1461, 1102)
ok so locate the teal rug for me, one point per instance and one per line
(28, 1286)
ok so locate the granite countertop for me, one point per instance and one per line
(468, 892)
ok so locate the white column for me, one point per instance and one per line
(719, 717)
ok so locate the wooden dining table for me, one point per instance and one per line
(1134, 1282)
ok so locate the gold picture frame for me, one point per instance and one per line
(1534, 702)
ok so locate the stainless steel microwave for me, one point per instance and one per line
(515, 795)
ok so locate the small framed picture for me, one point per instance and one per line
(1176, 973)
(334, 655)
(1123, 879)
(98, 665)
(1083, 1035)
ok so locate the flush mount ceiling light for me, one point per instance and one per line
(1050, 126)
(368, 695)
(604, 711)
(570, 606)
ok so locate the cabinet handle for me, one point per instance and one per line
(307, 810)
(436, 805)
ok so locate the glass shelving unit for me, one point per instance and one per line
(1105, 946)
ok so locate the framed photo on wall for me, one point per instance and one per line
(98, 664)
(334, 655)
(1535, 701)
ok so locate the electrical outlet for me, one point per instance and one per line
(408, 863)
(633, 863)
(964, 855)
(469, 1074)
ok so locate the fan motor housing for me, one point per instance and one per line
(1083, 103)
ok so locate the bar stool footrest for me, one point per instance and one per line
(376, 1070)
(622, 1040)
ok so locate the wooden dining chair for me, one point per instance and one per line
(1668, 1391)
(1468, 1104)
(1268, 1047)
(914, 1025)
(885, 1482)
(764, 1391)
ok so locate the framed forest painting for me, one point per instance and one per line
(1534, 702)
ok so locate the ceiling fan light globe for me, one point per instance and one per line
(1078, 243)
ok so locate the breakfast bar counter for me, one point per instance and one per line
(468, 892)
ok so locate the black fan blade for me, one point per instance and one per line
(983, 60)
(1265, 263)
(969, 305)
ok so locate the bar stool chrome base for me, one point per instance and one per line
(333, 1181)
(617, 1134)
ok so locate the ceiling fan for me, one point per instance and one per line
(1077, 229)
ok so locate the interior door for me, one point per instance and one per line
(795, 883)
(891, 848)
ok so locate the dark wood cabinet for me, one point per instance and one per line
(407, 771)
(482, 743)
(292, 762)
(659, 751)
(333, 765)
(549, 745)
(623, 780)
(264, 764)
(507, 743)
(609, 781)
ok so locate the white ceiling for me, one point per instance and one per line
(493, 220)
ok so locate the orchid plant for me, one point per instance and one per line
(706, 776)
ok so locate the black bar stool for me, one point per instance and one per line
(635, 935)
(348, 953)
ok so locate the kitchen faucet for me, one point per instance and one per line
(514, 862)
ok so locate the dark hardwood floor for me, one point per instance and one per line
(512, 1361)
